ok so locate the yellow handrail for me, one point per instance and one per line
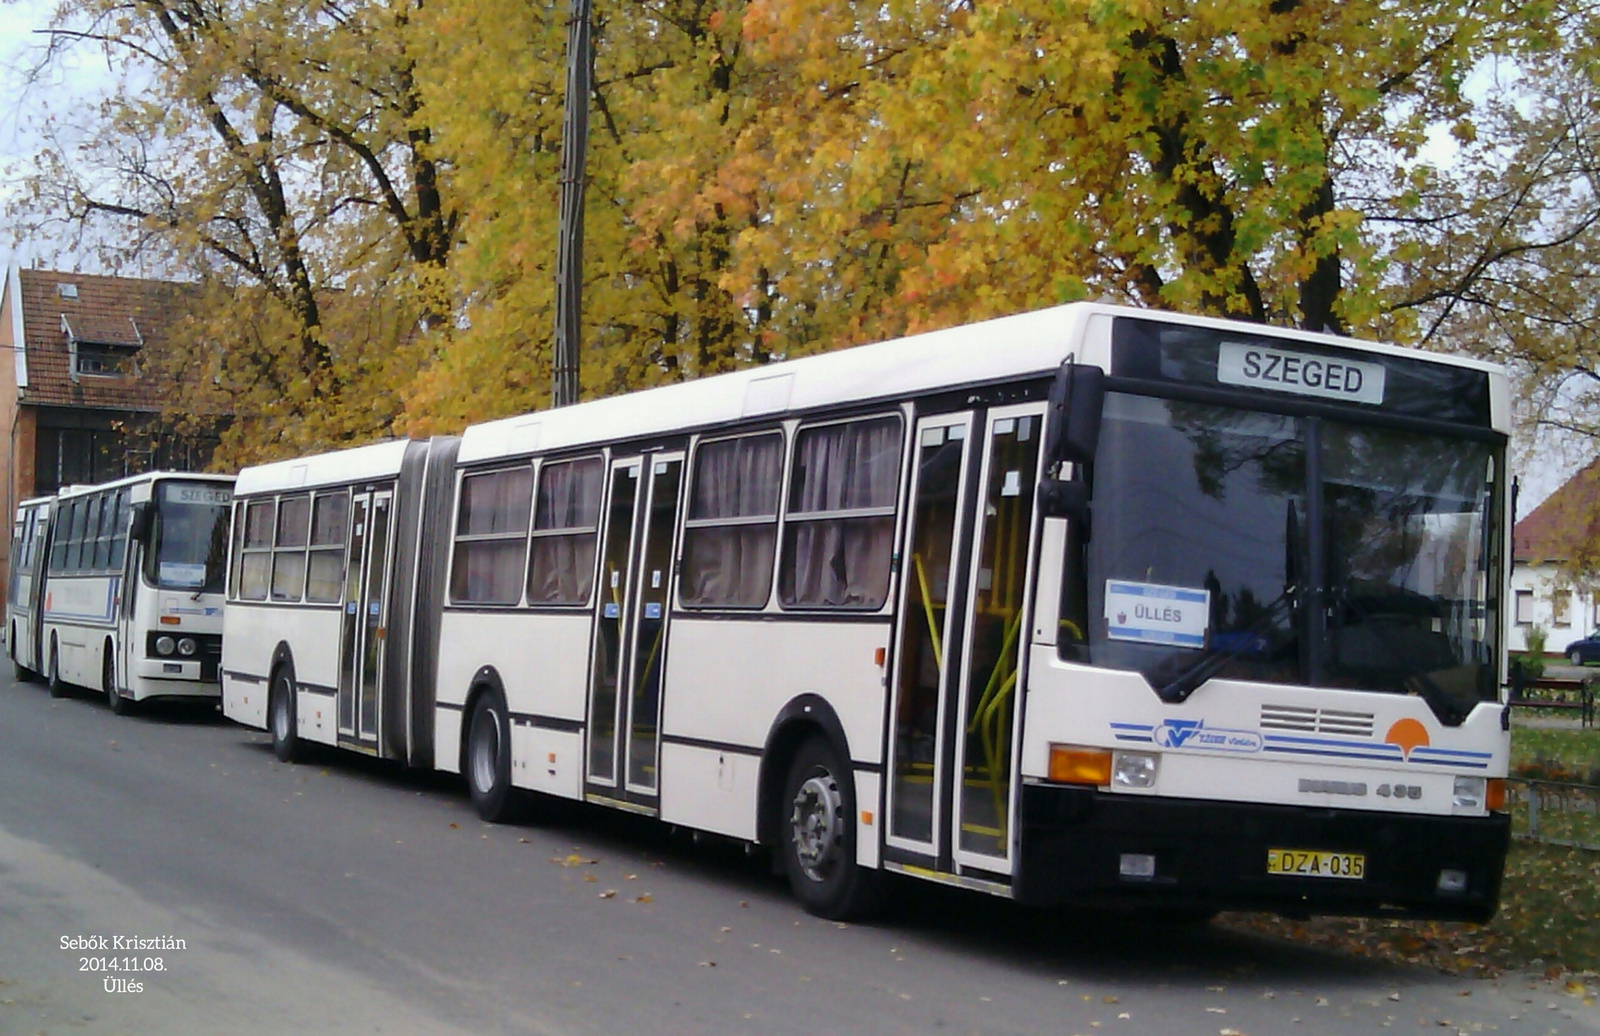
(927, 608)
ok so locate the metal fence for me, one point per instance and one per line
(1555, 812)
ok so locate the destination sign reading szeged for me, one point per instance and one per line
(1305, 374)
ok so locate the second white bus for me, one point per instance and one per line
(124, 587)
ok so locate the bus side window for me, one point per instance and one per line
(566, 521)
(105, 531)
(80, 521)
(838, 536)
(731, 535)
(492, 537)
(289, 555)
(119, 530)
(255, 564)
(330, 520)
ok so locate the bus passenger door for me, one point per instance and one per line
(350, 624)
(988, 716)
(363, 630)
(375, 615)
(616, 552)
(928, 636)
(647, 644)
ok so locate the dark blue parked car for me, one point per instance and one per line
(1581, 652)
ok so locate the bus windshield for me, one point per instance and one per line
(1285, 549)
(190, 548)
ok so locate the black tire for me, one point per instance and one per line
(58, 686)
(282, 718)
(121, 704)
(486, 761)
(1575, 657)
(20, 672)
(819, 837)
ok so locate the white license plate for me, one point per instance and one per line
(1310, 863)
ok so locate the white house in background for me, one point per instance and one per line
(1549, 584)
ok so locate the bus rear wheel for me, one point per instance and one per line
(819, 843)
(120, 703)
(58, 686)
(487, 761)
(281, 718)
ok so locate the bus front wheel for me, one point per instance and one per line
(488, 760)
(120, 703)
(21, 672)
(281, 718)
(819, 846)
(58, 686)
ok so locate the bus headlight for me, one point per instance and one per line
(1469, 793)
(1134, 769)
(187, 646)
(165, 645)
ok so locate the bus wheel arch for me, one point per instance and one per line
(808, 812)
(486, 749)
(283, 720)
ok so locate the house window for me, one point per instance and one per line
(1525, 608)
(104, 361)
(1561, 608)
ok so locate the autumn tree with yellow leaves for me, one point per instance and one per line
(778, 177)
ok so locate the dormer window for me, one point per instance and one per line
(108, 351)
(95, 359)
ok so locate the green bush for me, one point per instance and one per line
(1533, 658)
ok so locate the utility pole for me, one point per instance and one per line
(569, 248)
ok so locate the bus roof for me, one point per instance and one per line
(147, 477)
(380, 460)
(1028, 344)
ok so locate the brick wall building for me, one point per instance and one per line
(77, 402)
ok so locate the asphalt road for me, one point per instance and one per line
(343, 896)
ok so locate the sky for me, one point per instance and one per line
(1541, 470)
(23, 105)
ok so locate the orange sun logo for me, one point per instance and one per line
(1408, 734)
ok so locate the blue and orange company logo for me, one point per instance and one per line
(1407, 734)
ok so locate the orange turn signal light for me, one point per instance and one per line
(1073, 765)
(1494, 798)
(171, 620)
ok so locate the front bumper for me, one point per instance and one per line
(1212, 856)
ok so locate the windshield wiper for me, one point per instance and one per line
(1212, 660)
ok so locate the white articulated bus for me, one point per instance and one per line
(125, 587)
(1089, 605)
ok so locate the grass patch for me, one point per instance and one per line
(1571, 752)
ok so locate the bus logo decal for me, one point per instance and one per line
(1193, 733)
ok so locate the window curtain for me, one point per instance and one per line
(561, 563)
(731, 565)
(841, 562)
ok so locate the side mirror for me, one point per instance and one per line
(1072, 434)
(1077, 400)
(144, 515)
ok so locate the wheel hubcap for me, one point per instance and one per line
(485, 752)
(817, 822)
(280, 717)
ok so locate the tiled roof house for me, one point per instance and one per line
(76, 401)
(1549, 585)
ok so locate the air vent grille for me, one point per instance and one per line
(1312, 720)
